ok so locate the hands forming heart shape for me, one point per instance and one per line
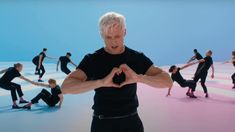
(121, 76)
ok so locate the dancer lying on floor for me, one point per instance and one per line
(176, 76)
(51, 99)
(7, 84)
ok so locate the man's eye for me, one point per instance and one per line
(108, 37)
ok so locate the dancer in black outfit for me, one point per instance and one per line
(233, 62)
(63, 61)
(7, 84)
(38, 62)
(51, 99)
(113, 72)
(197, 56)
(176, 76)
(203, 71)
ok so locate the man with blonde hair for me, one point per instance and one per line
(113, 72)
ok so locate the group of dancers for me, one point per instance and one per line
(62, 61)
(50, 98)
(204, 64)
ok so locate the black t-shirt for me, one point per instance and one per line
(178, 77)
(114, 101)
(198, 56)
(10, 74)
(64, 61)
(55, 92)
(36, 58)
(207, 64)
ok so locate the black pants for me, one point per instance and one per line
(13, 87)
(129, 124)
(46, 97)
(189, 83)
(38, 70)
(202, 76)
(233, 78)
(65, 70)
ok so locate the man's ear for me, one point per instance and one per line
(125, 32)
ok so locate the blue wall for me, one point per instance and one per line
(166, 31)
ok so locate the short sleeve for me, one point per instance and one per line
(85, 66)
(17, 74)
(58, 91)
(145, 63)
(60, 58)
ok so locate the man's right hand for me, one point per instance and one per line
(108, 80)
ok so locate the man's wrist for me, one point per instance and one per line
(140, 78)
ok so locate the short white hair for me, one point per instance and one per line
(110, 18)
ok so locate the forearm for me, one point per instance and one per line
(75, 86)
(161, 80)
(61, 101)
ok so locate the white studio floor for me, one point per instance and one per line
(159, 113)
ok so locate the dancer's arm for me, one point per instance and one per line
(192, 59)
(154, 77)
(76, 82)
(61, 99)
(73, 64)
(28, 80)
(52, 58)
(43, 85)
(40, 61)
(169, 91)
(229, 61)
(3, 71)
(188, 65)
(57, 66)
(213, 71)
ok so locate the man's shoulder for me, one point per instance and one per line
(133, 52)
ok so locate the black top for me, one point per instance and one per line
(55, 92)
(207, 64)
(64, 61)
(178, 77)
(114, 101)
(36, 58)
(198, 56)
(10, 74)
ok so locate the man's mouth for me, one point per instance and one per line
(114, 47)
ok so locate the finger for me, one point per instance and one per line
(115, 85)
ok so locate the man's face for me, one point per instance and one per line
(208, 53)
(114, 39)
(175, 70)
(19, 68)
(52, 85)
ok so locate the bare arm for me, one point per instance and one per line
(61, 99)
(3, 71)
(73, 64)
(28, 80)
(43, 85)
(52, 58)
(40, 61)
(191, 59)
(76, 82)
(188, 65)
(213, 71)
(57, 66)
(169, 91)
